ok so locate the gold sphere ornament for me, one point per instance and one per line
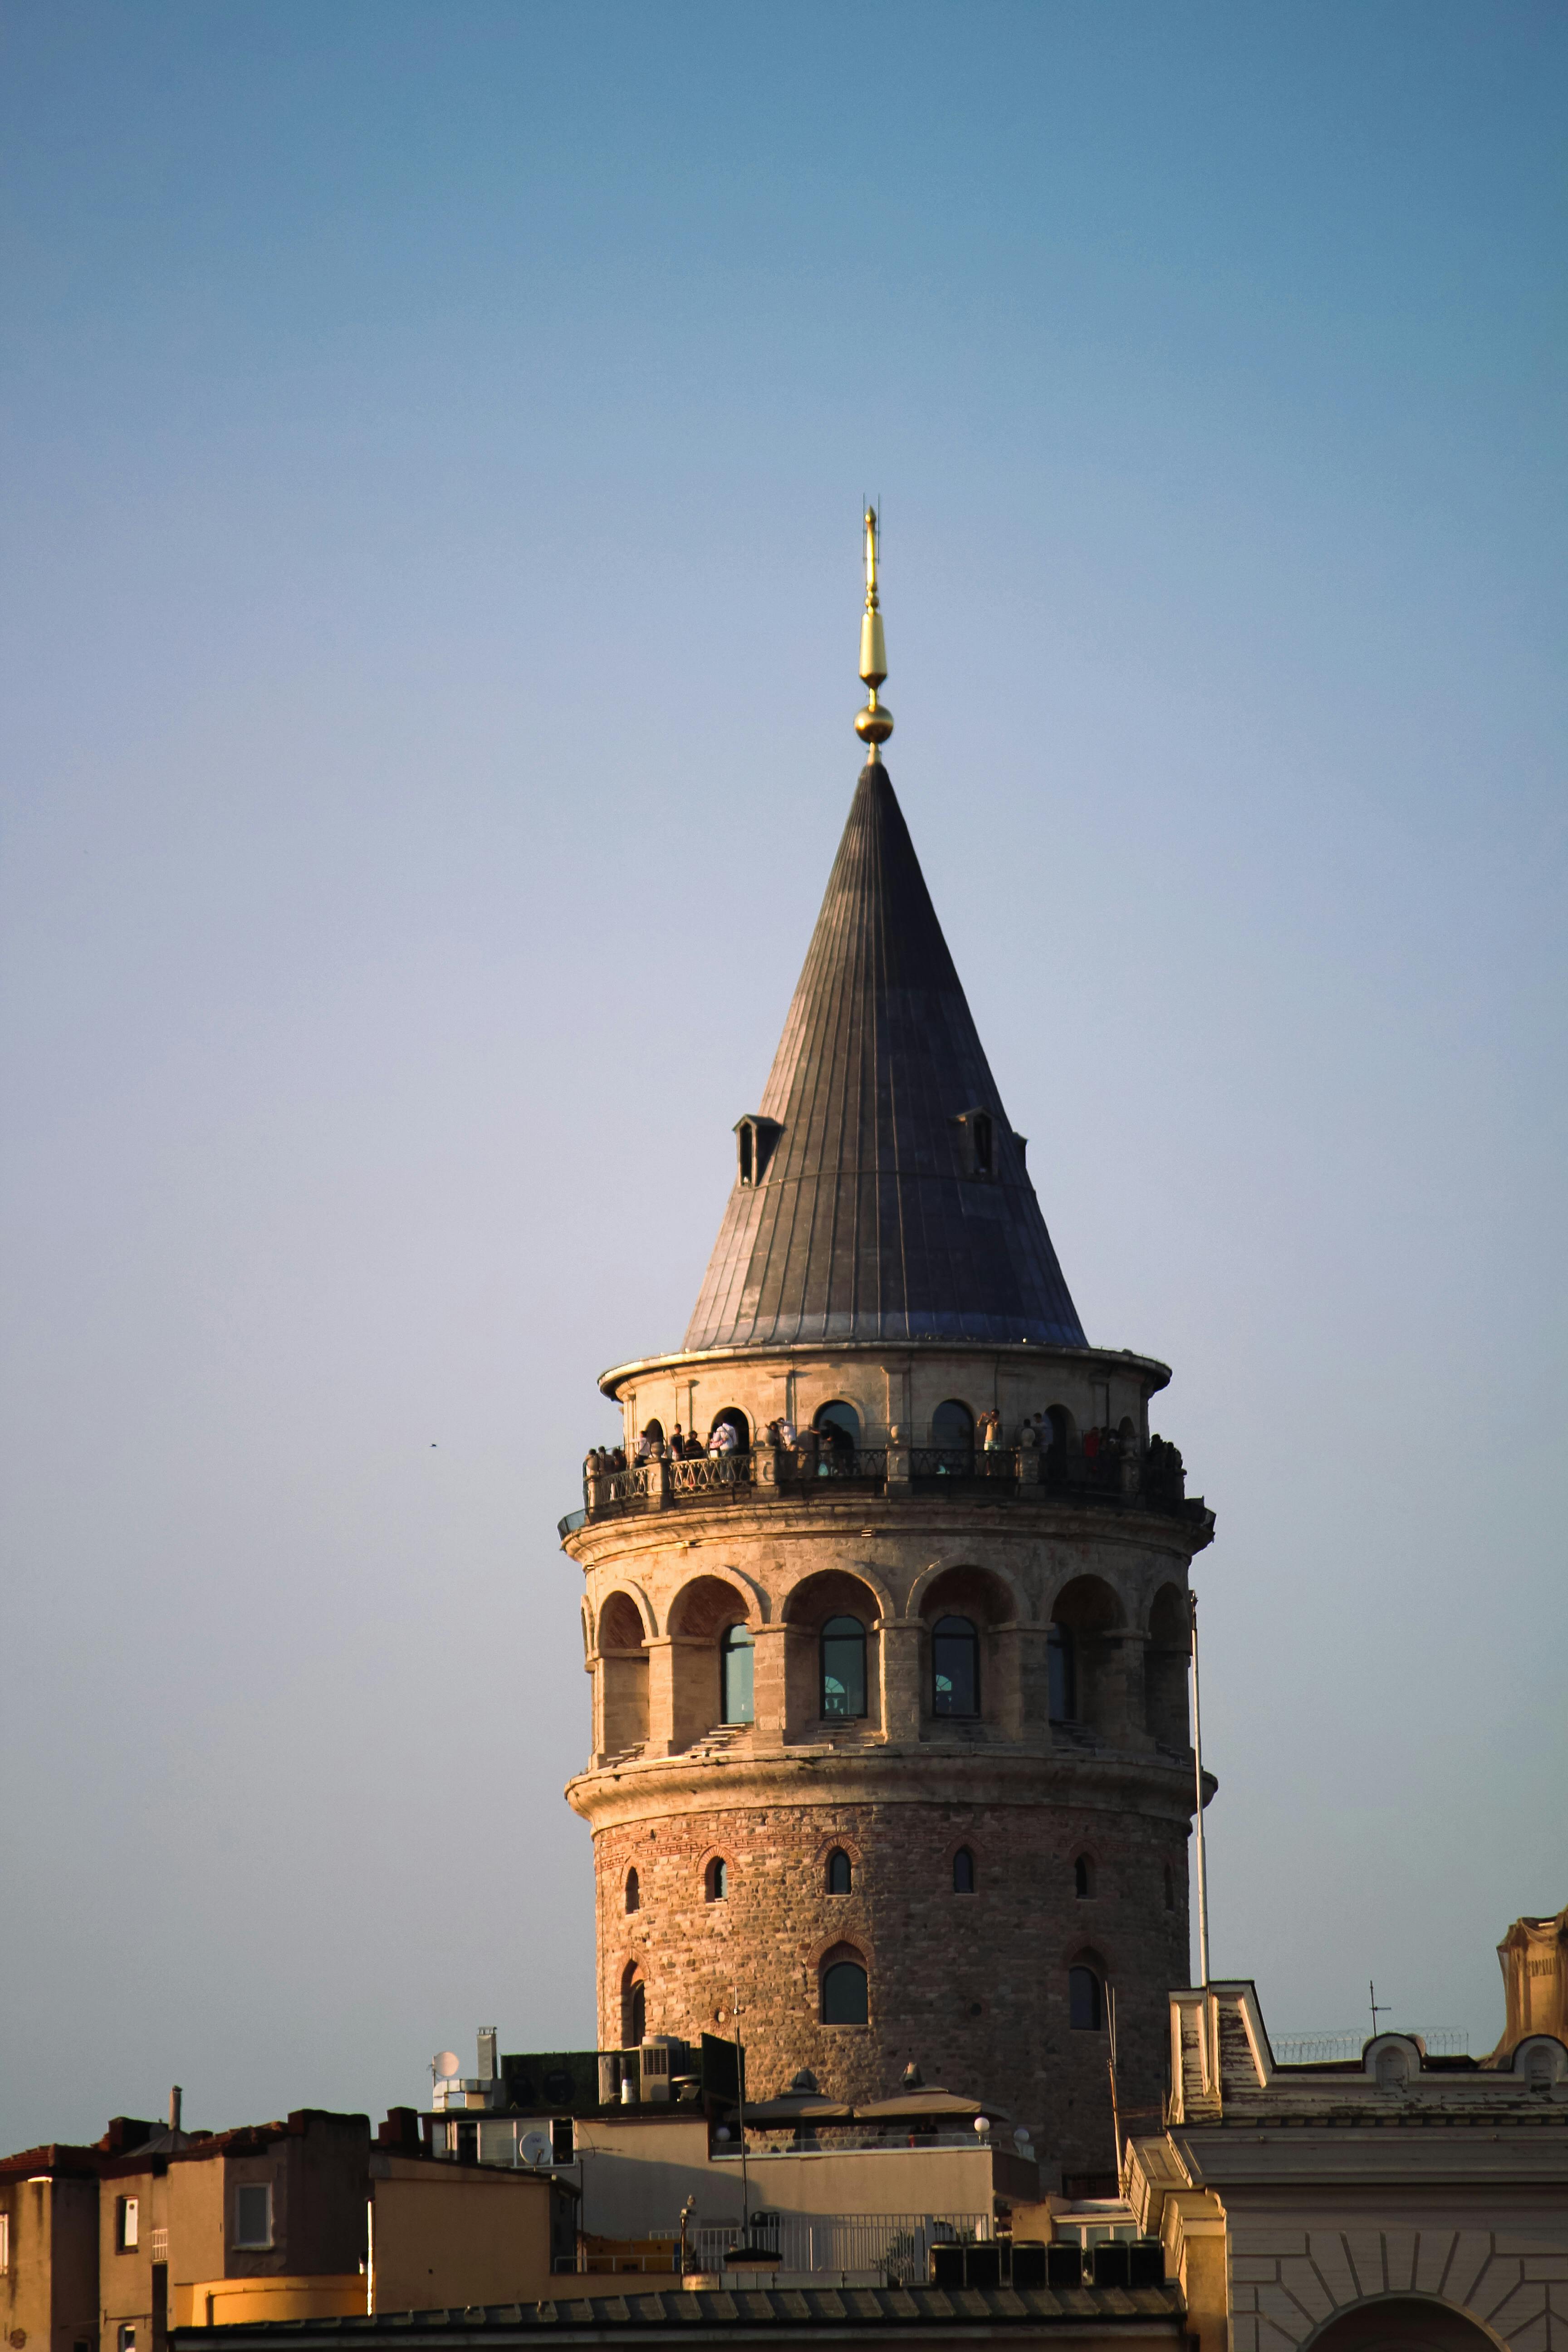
(875, 723)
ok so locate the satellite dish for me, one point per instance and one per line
(535, 2147)
(448, 2064)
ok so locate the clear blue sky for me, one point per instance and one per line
(435, 442)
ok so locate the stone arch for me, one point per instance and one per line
(716, 1874)
(810, 1605)
(699, 1616)
(1059, 1442)
(1087, 1621)
(844, 1987)
(1165, 1669)
(622, 1654)
(1405, 2323)
(839, 1841)
(1006, 1602)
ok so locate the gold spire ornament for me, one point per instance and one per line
(875, 723)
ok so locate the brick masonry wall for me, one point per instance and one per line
(974, 1988)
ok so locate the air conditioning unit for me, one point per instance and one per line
(660, 2054)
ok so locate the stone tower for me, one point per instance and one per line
(891, 1734)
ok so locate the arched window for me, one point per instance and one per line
(842, 1649)
(634, 2008)
(1170, 1888)
(737, 1688)
(740, 1431)
(955, 1667)
(1086, 2003)
(1083, 1877)
(1062, 1672)
(952, 1427)
(964, 1872)
(840, 1876)
(716, 1880)
(634, 1892)
(846, 1995)
(837, 1425)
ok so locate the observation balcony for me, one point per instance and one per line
(1123, 1479)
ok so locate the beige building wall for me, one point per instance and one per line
(439, 2235)
(48, 2288)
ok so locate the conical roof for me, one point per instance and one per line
(875, 1218)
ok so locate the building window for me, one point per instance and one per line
(634, 1892)
(1086, 2005)
(736, 1654)
(127, 2224)
(1061, 1673)
(964, 1872)
(840, 1876)
(634, 2008)
(252, 2214)
(125, 2337)
(716, 1880)
(1170, 1888)
(846, 1997)
(1083, 1877)
(732, 1431)
(843, 1668)
(955, 1667)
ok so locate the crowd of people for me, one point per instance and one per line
(831, 1443)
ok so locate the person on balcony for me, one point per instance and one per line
(722, 1440)
(988, 1429)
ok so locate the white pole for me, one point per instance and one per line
(1198, 1777)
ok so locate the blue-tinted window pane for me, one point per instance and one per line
(738, 1703)
(844, 1667)
(844, 1994)
(955, 1667)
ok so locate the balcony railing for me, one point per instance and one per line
(1153, 1480)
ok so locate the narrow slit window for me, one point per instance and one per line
(964, 1872)
(840, 1874)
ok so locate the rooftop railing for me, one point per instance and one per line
(1118, 1474)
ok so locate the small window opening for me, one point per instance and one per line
(964, 1872)
(633, 2011)
(983, 1142)
(1061, 1674)
(843, 1660)
(1086, 2006)
(846, 1994)
(747, 1135)
(128, 2224)
(717, 1880)
(737, 1653)
(125, 2337)
(955, 1667)
(253, 2213)
(1083, 1877)
(840, 1875)
(634, 1892)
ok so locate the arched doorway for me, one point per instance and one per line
(1403, 2322)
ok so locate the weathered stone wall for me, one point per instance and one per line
(974, 1988)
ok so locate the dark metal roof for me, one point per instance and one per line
(869, 1224)
(644, 2306)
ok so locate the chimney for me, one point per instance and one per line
(176, 2097)
(486, 2053)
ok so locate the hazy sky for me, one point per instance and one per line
(436, 440)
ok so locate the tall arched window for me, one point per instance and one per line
(634, 1892)
(737, 1687)
(952, 1427)
(634, 2008)
(964, 1872)
(846, 1994)
(955, 1667)
(1061, 1674)
(1086, 2003)
(843, 1653)
(840, 1876)
(1083, 1877)
(716, 1880)
(739, 1430)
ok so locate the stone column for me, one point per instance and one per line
(898, 1463)
(660, 1696)
(658, 1482)
(898, 1655)
(768, 1669)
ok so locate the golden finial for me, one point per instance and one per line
(875, 723)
